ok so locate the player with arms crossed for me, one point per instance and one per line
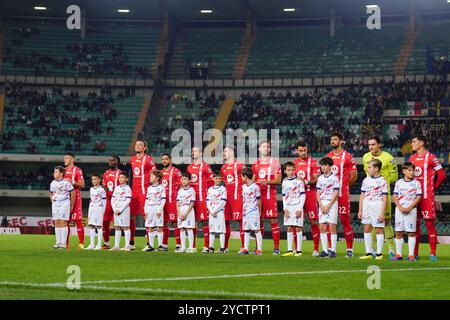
(74, 175)
(327, 194)
(427, 166)
(344, 167)
(407, 194)
(216, 199)
(154, 210)
(186, 198)
(251, 197)
(231, 175)
(308, 170)
(372, 207)
(97, 206)
(62, 198)
(293, 201)
(141, 165)
(267, 175)
(171, 180)
(120, 203)
(110, 182)
(390, 173)
(201, 180)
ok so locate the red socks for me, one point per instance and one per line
(275, 235)
(348, 230)
(132, 228)
(227, 233)
(106, 230)
(432, 235)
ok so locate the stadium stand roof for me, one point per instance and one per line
(186, 10)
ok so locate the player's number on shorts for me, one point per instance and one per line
(172, 216)
(342, 210)
(235, 215)
(426, 214)
(311, 214)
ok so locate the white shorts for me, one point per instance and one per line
(251, 222)
(96, 216)
(122, 220)
(292, 220)
(61, 211)
(331, 216)
(405, 222)
(371, 213)
(152, 219)
(189, 222)
(217, 224)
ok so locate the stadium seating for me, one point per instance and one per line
(180, 111)
(308, 51)
(311, 117)
(47, 49)
(219, 47)
(127, 108)
(435, 35)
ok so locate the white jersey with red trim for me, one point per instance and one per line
(327, 186)
(121, 198)
(97, 197)
(293, 190)
(61, 190)
(186, 196)
(426, 166)
(373, 188)
(216, 198)
(407, 191)
(250, 196)
(156, 194)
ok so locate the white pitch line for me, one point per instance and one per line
(172, 291)
(245, 275)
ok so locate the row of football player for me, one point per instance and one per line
(305, 174)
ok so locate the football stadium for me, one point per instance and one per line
(226, 149)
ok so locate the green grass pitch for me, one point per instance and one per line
(31, 269)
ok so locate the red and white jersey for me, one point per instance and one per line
(250, 197)
(97, 197)
(61, 190)
(121, 197)
(343, 164)
(74, 174)
(306, 169)
(185, 196)
(156, 195)
(426, 166)
(231, 175)
(171, 180)
(373, 188)
(266, 170)
(216, 198)
(327, 185)
(407, 191)
(201, 178)
(110, 181)
(141, 173)
(293, 191)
